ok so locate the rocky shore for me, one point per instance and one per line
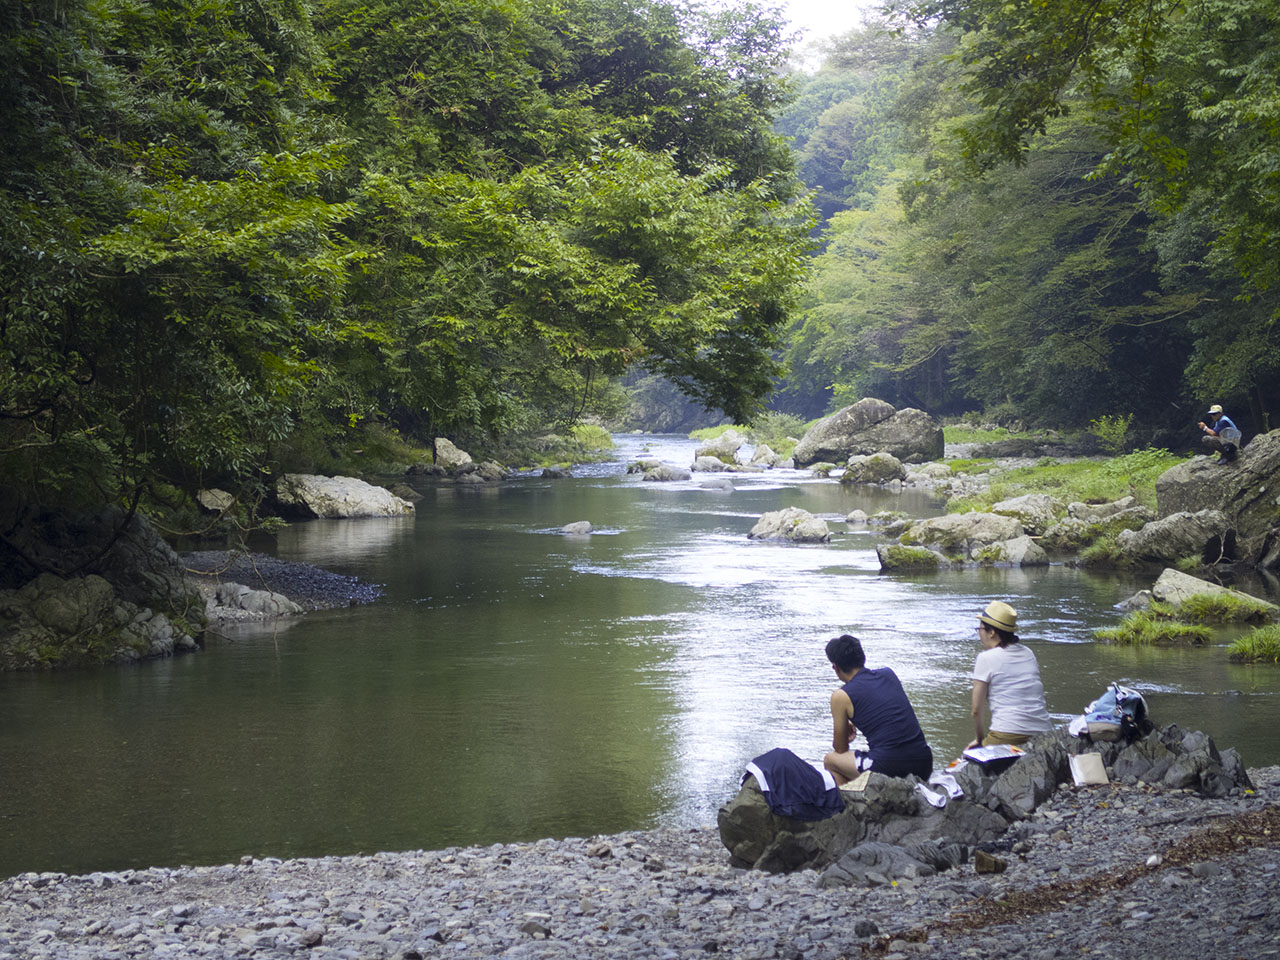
(1123, 869)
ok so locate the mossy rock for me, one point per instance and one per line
(895, 556)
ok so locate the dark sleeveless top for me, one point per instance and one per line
(883, 713)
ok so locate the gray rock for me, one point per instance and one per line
(1035, 511)
(963, 533)
(791, 523)
(310, 495)
(664, 472)
(214, 500)
(876, 468)
(1206, 534)
(723, 448)
(449, 456)
(709, 465)
(717, 483)
(1020, 552)
(871, 426)
(577, 528)
(1174, 586)
(763, 456)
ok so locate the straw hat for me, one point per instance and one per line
(1216, 408)
(1000, 615)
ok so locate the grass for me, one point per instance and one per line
(963, 433)
(1257, 646)
(896, 557)
(1089, 481)
(1223, 608)
(978, 465)
(1150, 628)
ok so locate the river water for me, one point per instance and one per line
(516, 683)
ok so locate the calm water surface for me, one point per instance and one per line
(515, 683)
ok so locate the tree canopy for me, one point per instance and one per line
(226, 228)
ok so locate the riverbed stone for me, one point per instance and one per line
(876, 468)
(666, 473)
(763, 456)
(1035, 511)
(791, 523)
(577, 528)
(1174, 586)
(1019, 552)
(706, 464)
(723, 448)
(962, 533)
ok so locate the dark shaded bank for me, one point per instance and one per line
(306, 585)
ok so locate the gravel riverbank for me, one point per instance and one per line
(306, 585)
(1119, 870)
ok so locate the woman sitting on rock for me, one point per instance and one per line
(1006, 678)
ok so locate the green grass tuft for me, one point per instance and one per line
(1257, 646)
(1223, 608)
(1151, 628)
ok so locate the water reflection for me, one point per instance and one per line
(516, 683)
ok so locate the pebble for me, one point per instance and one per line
(569, 898)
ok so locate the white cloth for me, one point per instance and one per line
(1014, 691)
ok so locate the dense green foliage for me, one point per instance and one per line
(230, 232)
(1063, 213)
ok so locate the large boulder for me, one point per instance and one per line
(1037, 512)
(871, 426)
(791, 523)
(705, 464)
(962, 533)
(1246, 491)
(665, 472)
(1206, 535)
(313, 496)
(763, 456)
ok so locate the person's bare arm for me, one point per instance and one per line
(979, 710)
(842, 728)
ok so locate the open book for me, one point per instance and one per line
(992, 753)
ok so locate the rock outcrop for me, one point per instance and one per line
(1206, 535)
(129, 598)
(724, 447)
(1246, 491)
(312, 496)
(890, 812)
(449, 456)
(871, 426)
(1035, 511)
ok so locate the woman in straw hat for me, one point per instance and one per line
(1006, 680)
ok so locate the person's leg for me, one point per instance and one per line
(1213, 443)
(843, 766)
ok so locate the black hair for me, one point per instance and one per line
(1006, 636)
(846, 653)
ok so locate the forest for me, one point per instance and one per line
(237, 232)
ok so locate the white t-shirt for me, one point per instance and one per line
(1014, 693)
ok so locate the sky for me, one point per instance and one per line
(825, 18)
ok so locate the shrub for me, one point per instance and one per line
(1151, 628)
(1261, 645)
(1111, 430)
(703, 434)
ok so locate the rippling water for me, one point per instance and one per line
(517, 683)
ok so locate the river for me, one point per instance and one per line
(515, 683)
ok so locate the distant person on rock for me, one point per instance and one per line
(1006, 681)
(875, 701)
(1220, 434)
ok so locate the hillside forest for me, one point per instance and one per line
(239, 235)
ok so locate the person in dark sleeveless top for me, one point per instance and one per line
(875, 701)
